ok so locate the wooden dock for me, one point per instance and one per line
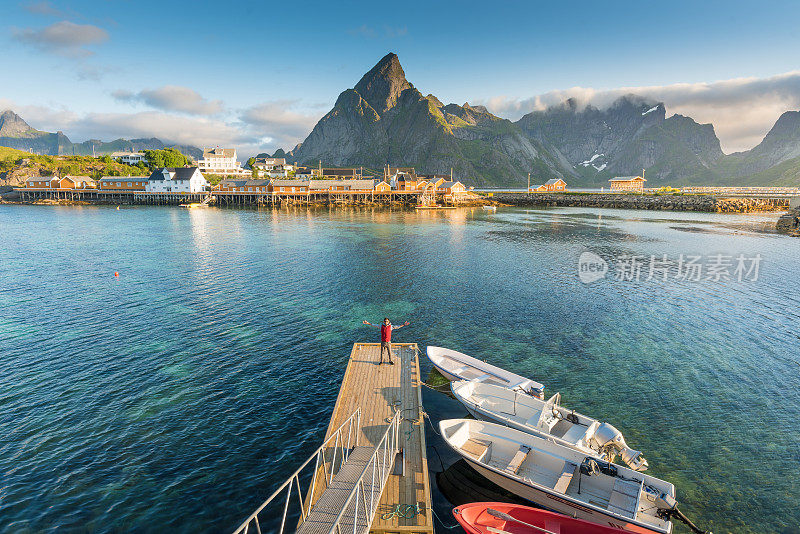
(380, 390)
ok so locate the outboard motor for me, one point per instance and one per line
(609, 440)
(668, 510)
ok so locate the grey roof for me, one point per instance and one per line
(553, 181)
(349, 184)
(233, 183)
(445, 185)
(123, 178)
(173, 173)
(257, 183)
(626, 178)
(290, 183)
(219, 152)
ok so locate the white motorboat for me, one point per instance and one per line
(455, 365)
(546, 419)
(563, 479)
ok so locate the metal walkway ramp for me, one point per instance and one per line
(332, 502)
(343, 497)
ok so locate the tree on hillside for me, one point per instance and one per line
(169, 157)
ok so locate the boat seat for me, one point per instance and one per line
(565, 477)
(479, 449)
(624, 498)
(544, 422)
(457, 372)
(515, 463)
(575, 433)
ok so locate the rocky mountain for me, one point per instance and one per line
(630, 135)
(16, 133)
(385, 119)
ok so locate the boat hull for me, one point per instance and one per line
(475, 519)
(556, 502)
(441, 358)
(486, 416)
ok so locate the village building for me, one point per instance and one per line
(230, 185)
(628, 183)
(61, 183)
(221, 161)
(42, 182)
(381, 186)
(451, 191)
(436, 180)
(554, 184)
(130, 158)
(307, 173)
(255, 186)
(122, 183)
(288, 186)
(341, 185)
(403, 181)
(336, 173)
(273, 167)
(176, 180)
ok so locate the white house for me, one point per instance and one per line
(176, 180)
(273, 167)
(131, 158)
(221, 161)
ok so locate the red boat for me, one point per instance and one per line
(500, 518)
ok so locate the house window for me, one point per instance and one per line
(119, 184)
(293, 190)
(129, 184)
(281, 188)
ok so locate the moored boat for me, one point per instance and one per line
(561, 478)
(547, 419)
(455, 365)
(491, 517)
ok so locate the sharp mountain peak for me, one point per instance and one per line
(383, 84)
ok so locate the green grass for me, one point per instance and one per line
(6, 152)
(22, 164)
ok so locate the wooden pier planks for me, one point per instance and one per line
(376, 389)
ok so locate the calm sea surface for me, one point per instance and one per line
(177, 396)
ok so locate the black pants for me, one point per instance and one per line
(388, 348)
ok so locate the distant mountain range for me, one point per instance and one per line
(16, 133)
(385, 119)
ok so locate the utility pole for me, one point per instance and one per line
(529, 181)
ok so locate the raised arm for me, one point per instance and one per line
(370, 324)
(401, 326)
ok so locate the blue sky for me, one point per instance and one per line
(258, 75)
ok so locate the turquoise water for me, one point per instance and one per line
(178, 395)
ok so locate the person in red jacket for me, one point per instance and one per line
(386, 336)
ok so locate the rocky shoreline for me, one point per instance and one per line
(789, 223)
(704, 203)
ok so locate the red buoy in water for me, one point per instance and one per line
(116, 274)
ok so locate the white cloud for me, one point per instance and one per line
(742, 110)
(277, 121)
(44, 8)
(172, 98)
(265, 133)
(63, 38)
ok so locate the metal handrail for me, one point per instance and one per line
(353, 424)
(378, 467)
